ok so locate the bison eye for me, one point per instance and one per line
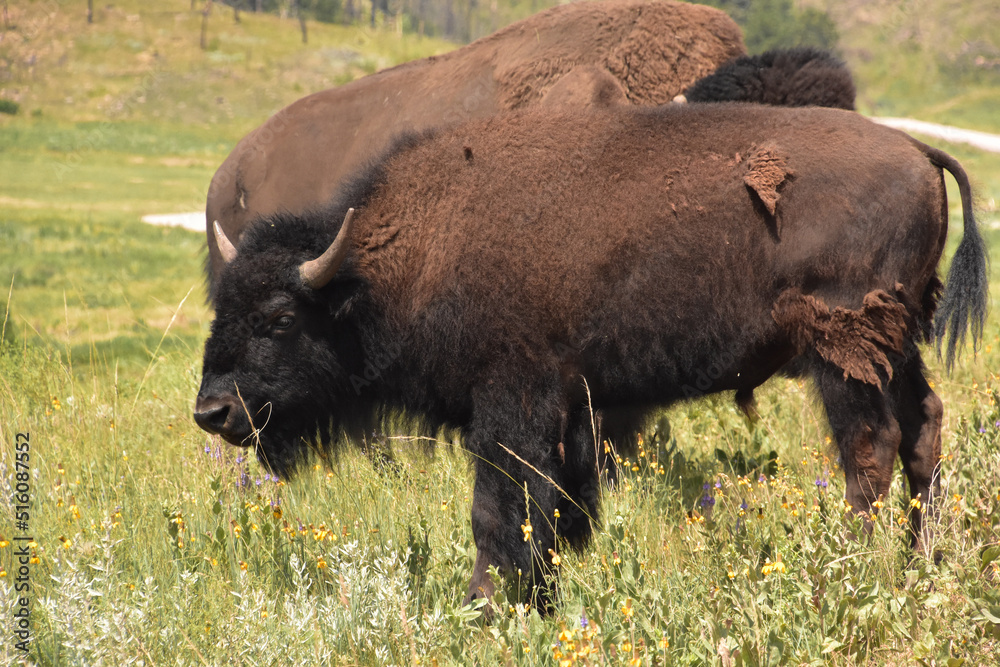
(284, 323)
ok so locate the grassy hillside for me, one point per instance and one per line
(936, 60)
(156, 544)
(141, 61)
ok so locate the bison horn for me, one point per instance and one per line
(316, 273)
(226, 247)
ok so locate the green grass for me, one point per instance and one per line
(150, 548)
(142, 61)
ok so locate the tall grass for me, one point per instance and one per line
(156, 543)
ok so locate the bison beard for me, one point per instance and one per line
(617, 260)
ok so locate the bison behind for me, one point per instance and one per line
(526, 269)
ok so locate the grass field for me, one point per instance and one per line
(725, 543)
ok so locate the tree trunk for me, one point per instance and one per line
(204, 24)
(236, 13)
(302, 20)
(258, 6)
(90, 11)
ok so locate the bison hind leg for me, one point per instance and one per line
(919, 412)
(865, 430)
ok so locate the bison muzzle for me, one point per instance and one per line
(612, 260)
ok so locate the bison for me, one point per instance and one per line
(509, 276)
(798, 77)
(579, 54)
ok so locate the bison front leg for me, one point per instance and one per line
(517, 490)
(513, 507)
(866, 434)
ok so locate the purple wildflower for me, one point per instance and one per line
(583, 621)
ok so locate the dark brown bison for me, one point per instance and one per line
(506, 277)
(797, 77)
(573, 55)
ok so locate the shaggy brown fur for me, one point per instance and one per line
(638, 50)
(767, 169)
(585, 86)
(611, 261)
(855, 340)
(796, 77)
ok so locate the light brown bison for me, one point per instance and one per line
(572, 55)
(509, 276)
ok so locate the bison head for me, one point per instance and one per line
(273, 365)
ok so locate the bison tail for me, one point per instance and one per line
(963, 304)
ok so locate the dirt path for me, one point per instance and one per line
(982, 140)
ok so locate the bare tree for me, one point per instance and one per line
(204, 23)
(300, 13)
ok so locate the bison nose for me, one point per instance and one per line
(215, 414)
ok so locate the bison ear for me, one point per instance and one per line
(316, 273)
(226, 247)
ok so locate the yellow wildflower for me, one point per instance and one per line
(526, 529)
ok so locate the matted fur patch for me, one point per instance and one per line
(855, 340)
(767, 169)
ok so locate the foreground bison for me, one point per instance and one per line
(575, 55)
(505, 277)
